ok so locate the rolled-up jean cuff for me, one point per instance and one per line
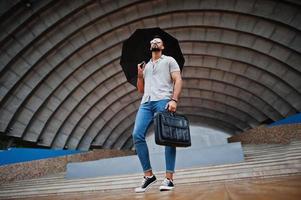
(170, 171)
(148, 170)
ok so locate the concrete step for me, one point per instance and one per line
(129, 184)
(246, 151)
(270, 146)
(246, 148)
(270, 150)
(265, 158)
(283, 164)
(249, 157)
(277, 160)
(186, 158)
(195, 172)
(255, 160)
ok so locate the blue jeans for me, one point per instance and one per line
(144, 118)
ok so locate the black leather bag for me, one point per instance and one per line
(171, 129)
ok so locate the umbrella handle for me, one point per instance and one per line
(142, 64)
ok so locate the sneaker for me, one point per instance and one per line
(167, 185)
(146, 183)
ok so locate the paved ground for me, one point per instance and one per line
(269, 188)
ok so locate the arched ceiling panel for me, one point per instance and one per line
(61, 81)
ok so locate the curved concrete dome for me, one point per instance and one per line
(62, 85)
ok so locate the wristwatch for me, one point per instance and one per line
(172, 99)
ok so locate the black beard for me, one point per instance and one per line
(155, 49)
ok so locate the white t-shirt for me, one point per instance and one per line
(158, 83)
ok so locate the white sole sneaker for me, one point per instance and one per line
(165, 188)
(141, 190)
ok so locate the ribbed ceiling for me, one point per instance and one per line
(62, 85)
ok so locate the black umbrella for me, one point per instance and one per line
(137, 49)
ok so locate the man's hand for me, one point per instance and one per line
(140, 69)
(172, 106)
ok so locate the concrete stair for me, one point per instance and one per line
(260, 161)
(191, 157)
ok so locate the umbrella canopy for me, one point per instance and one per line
(137, 49)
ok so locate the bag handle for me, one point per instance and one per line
(171, 113)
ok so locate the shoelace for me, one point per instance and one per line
(144, 180)
(165, 181)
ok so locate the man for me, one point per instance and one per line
(160, 81)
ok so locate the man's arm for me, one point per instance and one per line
(140, 79)
(177, 79)
(140, 84)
